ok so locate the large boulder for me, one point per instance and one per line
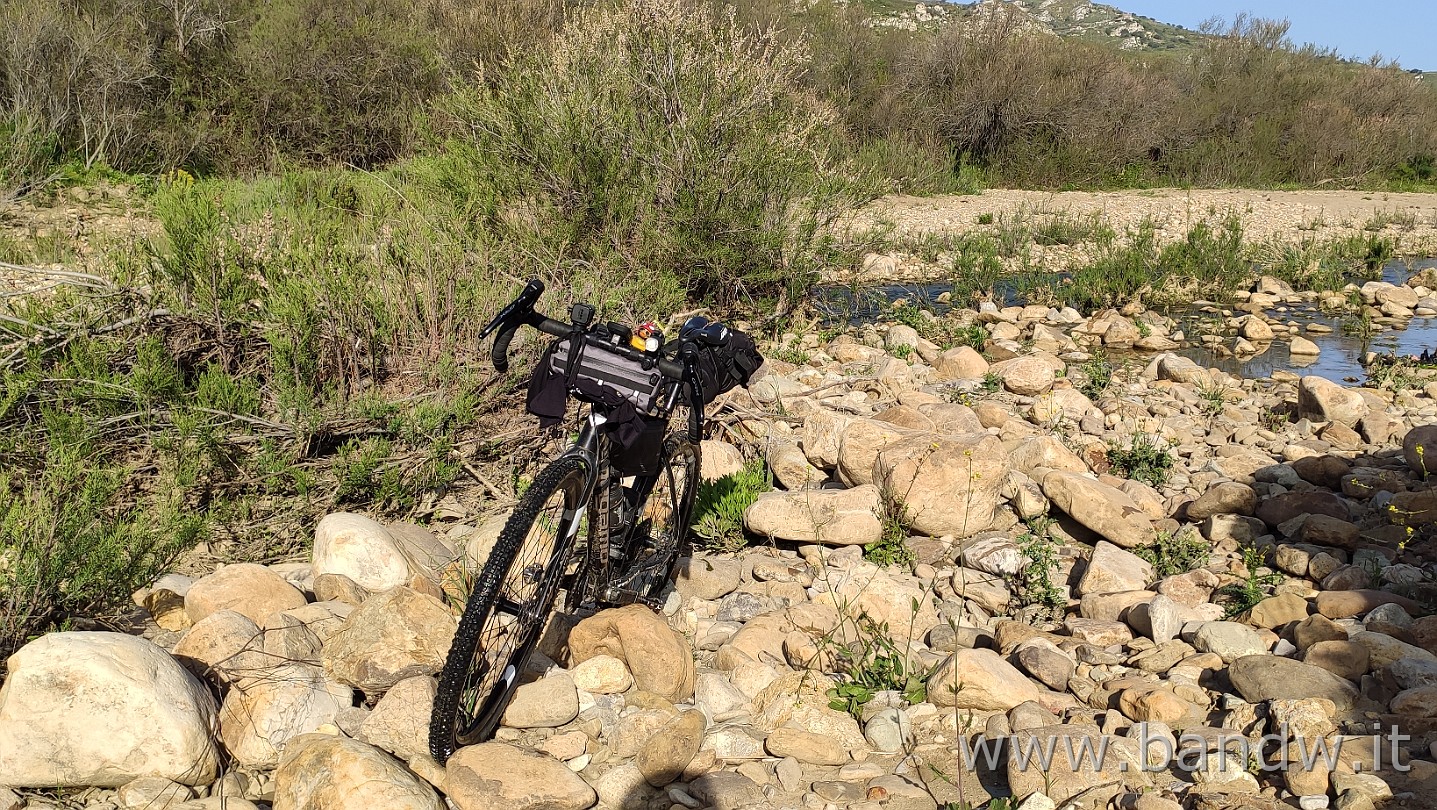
(1026, 376)
(260, 716)
(859, 445)
(81, 709)
(225, 646)
(394, 635)
(946, 486)
(247, 589)
(979, 679)
(1109, 511)
(1323, 400)
(835, 517)
(1035, 455)
(1085, 777)
(884, 598)
(321, 772)
(399, 722)
(658, 657)
(361, 549)
(1419, 449)
(1112, 569)
(822, 435)
(499, 776)
(1268, 677)
(960, 363)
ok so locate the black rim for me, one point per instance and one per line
(657, 536)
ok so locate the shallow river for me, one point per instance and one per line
(1341, 357)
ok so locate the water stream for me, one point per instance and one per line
(1340, 358)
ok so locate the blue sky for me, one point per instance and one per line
(1405, 30)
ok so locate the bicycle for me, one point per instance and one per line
(634, 533)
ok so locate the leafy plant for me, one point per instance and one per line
(873, 663)
(719, 505)
(1096, 375)
(1242, 596)
(1033, 585)
(1176, 554)
(891, 548)
(1142, 460)
(1212, 396)
(992, 383)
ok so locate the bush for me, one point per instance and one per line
(1142, 460)
(1176, 554)
(654, 139)
(719, 506)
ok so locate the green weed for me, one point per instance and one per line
(719, 506)
(1141, 460)
(1176, 554)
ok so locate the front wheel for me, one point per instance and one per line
(506, 610)
(659, 527)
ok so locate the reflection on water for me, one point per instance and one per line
(1341, 357)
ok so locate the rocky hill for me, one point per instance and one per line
(1077, 19)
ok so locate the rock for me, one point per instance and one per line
(261, 715)
(1418, 702)
(225, 645)
(707, 577)
(165, 600)
(1345, 604)
(859, 445)
(1228, 640)
(499, 776)
(361, 549)
(1112, 569)
(1269, 677)
(250, 590)
(1026, 376)
(800, 700)
(718, 459)
(1255, 329)
(1419, 450)
(885, 599)
(1345, 659)
(147, 793)
(602, 675)
(1300, 346)
(1165, 618)
(1322, 400)
(87, 708)
(1110, 512)
(658, 657)
(549, 702)
(399, 722)
(321, 772)
(1154, 704)
(1384, 650)
(1181, 369)
(669, 751)
(1228, 498)
(945, 486)
(979, 679)
(1042, 453)
(339, 588)
(847, 517)
(960, 363)
(822, 435)
(725, 790)
(806, 747)
(1277, 510)
(1322, 530)
(889, 731)
(396, 634)
(790, 467)
(1122, 766)
(1050, 667)
(1277, 611)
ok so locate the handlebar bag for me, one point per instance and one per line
(723, 368)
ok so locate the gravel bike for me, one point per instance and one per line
(582, 527)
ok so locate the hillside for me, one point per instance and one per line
(1073, 19)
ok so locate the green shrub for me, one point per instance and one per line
(1033, 585)
(1176, 554)
(1141, 460)
(719, 506)
(871, 664)
(654, 139)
